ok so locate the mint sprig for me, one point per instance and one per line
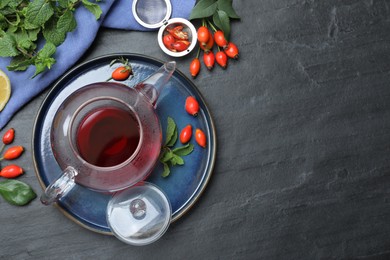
(173, 156)
(24, 23)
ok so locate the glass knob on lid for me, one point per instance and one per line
(139, 215)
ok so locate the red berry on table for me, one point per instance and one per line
(209, 60)
(222, 59)
(232, 51)
(195, 67)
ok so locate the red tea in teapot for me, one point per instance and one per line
(107, 136)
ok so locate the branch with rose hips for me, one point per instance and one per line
(13, 191)
(215, 30)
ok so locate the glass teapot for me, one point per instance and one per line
(107, 137)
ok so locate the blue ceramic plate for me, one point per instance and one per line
(185, 183)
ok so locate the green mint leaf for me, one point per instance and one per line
(166, 170)
(4, 3)
(33, 34)
(14, 22)
(23, 40)
(55, 30)
(47, 51)
(227, 7)
(184, 150)
(43, 59)
(63, 3)
(93, 8)
(16, 192)
(173, 139)
(203, 9)
(8, 46)
(3, 22)
(67, 22)
(176, 160)
(39, 68)
(52, 33)
(20, 63)
(166, 156)
(38, 12)
(170, 134)
(222, 21)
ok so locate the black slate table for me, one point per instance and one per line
(303, 130)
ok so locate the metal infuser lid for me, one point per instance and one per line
(139, 215)
(152, 13)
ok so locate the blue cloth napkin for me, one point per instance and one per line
(116, 14)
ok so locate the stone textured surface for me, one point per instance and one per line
(303, 161)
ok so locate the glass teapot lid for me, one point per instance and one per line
(152, 13)
(139, 215)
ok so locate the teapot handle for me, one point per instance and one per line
(60, 187)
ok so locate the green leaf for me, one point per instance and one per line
(52, 33)
(170, 138)
(93, 8)
(63, 3)
(33, 34)
(176, 160)
(38, 12)
(222, 21)
(67, 22)
(44, 59)
(227, 7)
(55, 30)
(203, 9)
(23, 40)
(47, 51)
(166, 156)
(14, 22)
(166, 170)
(20, 63)
(8, 46)
(184, 150)
(4, 3)
(173, 139)
(39, 68)
(16, 192)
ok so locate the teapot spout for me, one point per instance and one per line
(153, 85)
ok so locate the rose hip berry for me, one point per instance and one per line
(11, 171)
(13, 152)
(232, 51)
(200, 137)
(209, 44)
(180, 45)
(203, 35)
(209, 60)
(192, 106)
(178, 32)
(168, 39)
(121, 73)
(185, 134)
(220, 40)
(222, 59)
(195, 67)
(9, 136)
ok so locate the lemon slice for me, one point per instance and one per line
(5, 89)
